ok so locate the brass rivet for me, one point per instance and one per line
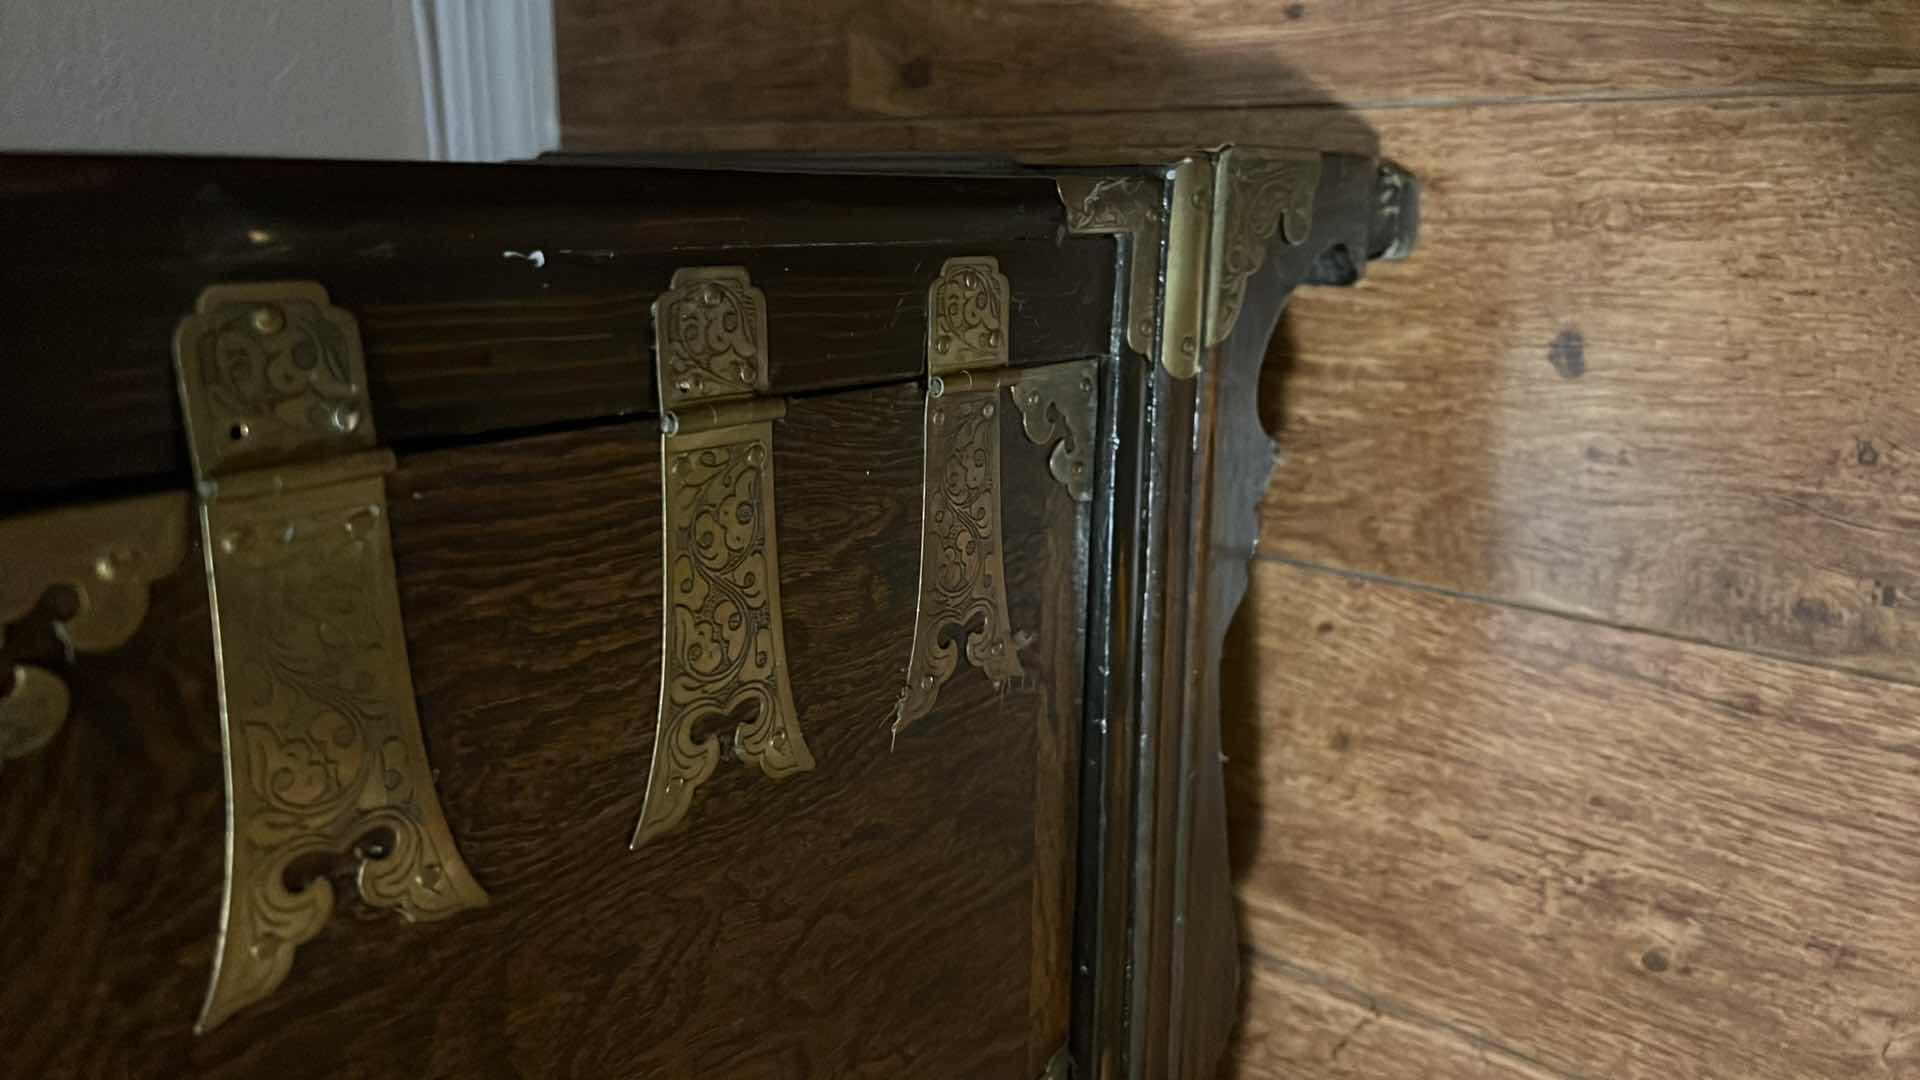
(267, 320)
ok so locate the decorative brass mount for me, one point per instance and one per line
(962, 572)
(962, 576)
(722, 642)
(107, 554)
(326, 768)
(1212, 217)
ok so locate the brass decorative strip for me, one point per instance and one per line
(1259, 192)
(327, 773)
(1057, 403)
(723, 645)
(106, 555)
(962, 576)
(1192, 210)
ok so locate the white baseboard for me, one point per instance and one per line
(487, 72)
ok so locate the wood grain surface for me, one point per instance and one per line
(1650, 366)
(490, 297)
(1299, 1025)
(1603, 852)
(674, 71)
(876, 917)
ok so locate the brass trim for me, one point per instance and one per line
(1058, 403)
(1260, 192)
(723, 642)
(1223, 209)
(326, 768)
(962, 576)
(712, 338)
(968, 328)
(1187, 241)
(270, 374)
(1130, 206)
(107, 555)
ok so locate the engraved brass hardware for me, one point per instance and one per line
(1223, 210)
(1128, 205)
(107, 555)
(1191, 210)
(722, 642)
(962, 579)
(1259, 191)
(325, 764)
(1057, 402)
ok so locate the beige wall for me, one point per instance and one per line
(339, 78)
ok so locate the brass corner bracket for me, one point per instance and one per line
(1208, 221)
(107, 554)
(723, 644)
(326, 767)
(1057, 404)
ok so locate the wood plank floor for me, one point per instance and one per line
(1585, 732)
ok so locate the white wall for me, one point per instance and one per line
(312, 78)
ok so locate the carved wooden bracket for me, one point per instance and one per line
(326, 768)
(722, 642)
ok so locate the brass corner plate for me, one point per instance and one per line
(723, 645)
(1259, 192)
(1222, 210)
(1057, 405)
(326, 767)
(107, 555)
(1128, 206)
(962, 576)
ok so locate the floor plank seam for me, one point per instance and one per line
(577, 131)
(1379, 1007)
(1590, 620)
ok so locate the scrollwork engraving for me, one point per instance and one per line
(711, 331)
(327, 772)
(968, 327)
(962, 573)
(1259, 192)
(724, 647)
(271, 373)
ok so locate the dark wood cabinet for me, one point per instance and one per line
(347, 545)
